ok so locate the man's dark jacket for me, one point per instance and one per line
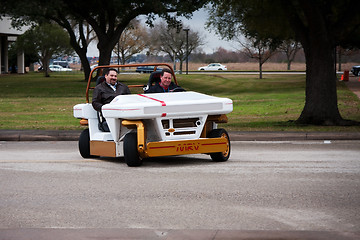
(104, 94)
(156, 88)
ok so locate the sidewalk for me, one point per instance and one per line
(354, 85)
(53, 135)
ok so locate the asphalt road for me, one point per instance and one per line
(265, 186)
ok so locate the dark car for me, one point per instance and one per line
(356, 70)
(147, 69)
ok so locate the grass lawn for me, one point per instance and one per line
(32, 101)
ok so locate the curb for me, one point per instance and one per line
(293, 136)
(73, 135)
(141, 233)
(39, 135)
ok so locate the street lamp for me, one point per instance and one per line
(187, 48)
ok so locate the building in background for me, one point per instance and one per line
(7, 35)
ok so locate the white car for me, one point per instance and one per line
(213, 67)
(93, 66)
(147, 125)
(58, 68)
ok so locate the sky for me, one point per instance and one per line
(197, 23)
(212, 41)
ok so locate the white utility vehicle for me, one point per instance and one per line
(155, 124)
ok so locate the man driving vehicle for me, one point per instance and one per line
(165, 84)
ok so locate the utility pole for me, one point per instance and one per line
(187, 48)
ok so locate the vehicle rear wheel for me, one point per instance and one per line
(131, 154)
(84, 144)
(220, 156)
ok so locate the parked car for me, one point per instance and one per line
(356, 70)
(213, 67)
(64, 64)
(58, 68)
(93, 66)
(147, 69)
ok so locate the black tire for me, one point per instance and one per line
(84, 144)
(220, 156)
(131, 153)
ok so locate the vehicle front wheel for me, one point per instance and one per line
(84, 144)
(131, 154)
(220, 156)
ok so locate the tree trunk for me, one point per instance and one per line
(181, 65)
(106, 45)
(321, 97)
(339, 61)
(46, 62)
(85, 64)
(81, 50)
(104, 55)
(260, 68)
